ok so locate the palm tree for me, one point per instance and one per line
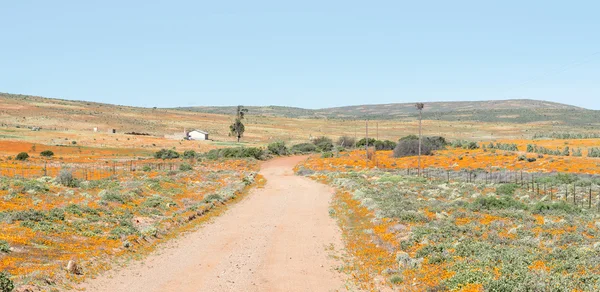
(420, 107)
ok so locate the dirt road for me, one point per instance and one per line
(273, 240)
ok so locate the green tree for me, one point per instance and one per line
(237, 128)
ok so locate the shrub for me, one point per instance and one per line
(189, 154)
(522, 158)
(323, 144)
(409, 145)
(531, 159)
(303, 148)
(166, 154)
(6, 284)
(112, 196)
(47, 153)
(385, 145)
(185, 167)
(22, 156)
(507, 189)
(321, 139)
(146, 168)
(236, 152)
(547, 207)
(396, 280)
(213, 197)
(471, 146)
(4, 247)
(492, 203)
(363, 142)
(65, 178)
(346, 141)
(278, 148)
(74, 142)
(327, 154)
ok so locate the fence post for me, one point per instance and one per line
(521, 178)
(590, 198)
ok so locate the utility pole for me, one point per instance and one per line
(420, 107)
(367, 142)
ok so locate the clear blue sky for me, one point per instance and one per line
(306, 53)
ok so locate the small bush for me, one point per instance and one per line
(321, 139)
(363, 142)
(396, 280)
(346, 141)
(65, 178)
(188, 154)
(278, 148)
(327, 155)
(146, 168)
(185, 167)
(548, 207)
(303, 148)
(6, 284)
(323, 144)
(113, 196)
(166, 154)
(213, 197)
(409, 145)
(507, 189)
(522, 158)
(74, 142)
(22, 156)
(237, 152)
(385, 145)
(4, 247)
(492, 203)
(531, 159)
(47, 153)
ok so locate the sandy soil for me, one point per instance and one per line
(276, 239)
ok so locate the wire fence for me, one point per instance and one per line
(86, 171)
(584, 191)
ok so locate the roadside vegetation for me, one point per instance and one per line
(415, 233)
(51, 222)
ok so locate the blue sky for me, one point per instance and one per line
(301, 53)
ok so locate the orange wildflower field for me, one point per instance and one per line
(410, 233)
(470, 159)
(48, 221)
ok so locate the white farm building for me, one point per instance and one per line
(197, 135)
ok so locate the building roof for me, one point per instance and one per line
(199, 131)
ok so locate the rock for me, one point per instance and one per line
(441, 215)
(74, 268)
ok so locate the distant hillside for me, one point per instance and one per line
(16, 109)
(518, 110)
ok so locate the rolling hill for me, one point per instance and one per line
(495, 111)
(465, 120)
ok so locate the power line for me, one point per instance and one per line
(561, 69)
